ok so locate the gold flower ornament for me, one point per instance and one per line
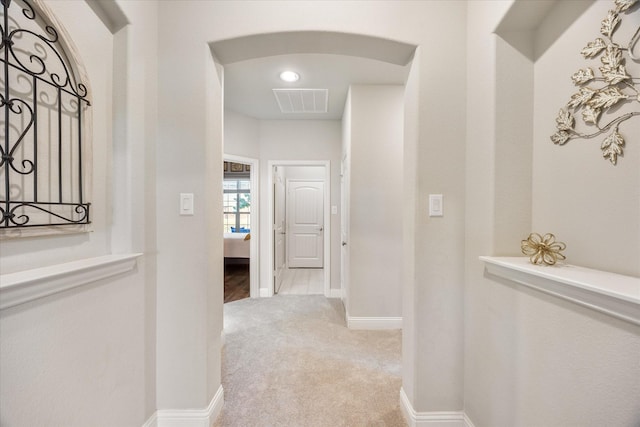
(543, 249)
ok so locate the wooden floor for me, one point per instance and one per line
(236, 282)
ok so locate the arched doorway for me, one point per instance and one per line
(269, 52)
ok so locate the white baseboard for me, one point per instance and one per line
(374, 323)
(432, 419)
(265, 293)
(188, 417)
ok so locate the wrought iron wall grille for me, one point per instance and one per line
(42, 107)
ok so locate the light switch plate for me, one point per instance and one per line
(435, 205)
(186, 203)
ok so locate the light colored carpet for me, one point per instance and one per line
(290, 361)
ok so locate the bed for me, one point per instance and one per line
(236, 246)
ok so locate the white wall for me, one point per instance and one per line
(137, 43)
(530, 358)
(376, 201)
(409, 179)
(304, 172)
(241, 135)
(344, 198)
(71, 358)
(190, 251)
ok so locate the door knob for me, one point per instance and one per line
(321, 228)
(344, 243)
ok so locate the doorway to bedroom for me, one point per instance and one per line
(239, 206)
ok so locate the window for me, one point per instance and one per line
(237, 205)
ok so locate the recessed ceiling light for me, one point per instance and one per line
(289, 76)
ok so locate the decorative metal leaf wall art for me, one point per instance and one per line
(598, 95)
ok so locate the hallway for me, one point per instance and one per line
(290, 361)
(457, 129)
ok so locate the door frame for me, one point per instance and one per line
(276, 232)
(254, 217)
(268, 272)
(344, 230)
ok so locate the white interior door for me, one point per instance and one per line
(305, 220)
(279, 228)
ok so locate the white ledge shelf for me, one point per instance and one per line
(24, 286)
(610, 293)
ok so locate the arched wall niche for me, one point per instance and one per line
(255, 46)
(532, 27)
(543, 187)
(37, 16)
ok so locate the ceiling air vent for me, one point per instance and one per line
(302, 100)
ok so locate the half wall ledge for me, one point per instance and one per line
(610, 293)
(24, 286)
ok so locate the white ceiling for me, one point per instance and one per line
(249, 84)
